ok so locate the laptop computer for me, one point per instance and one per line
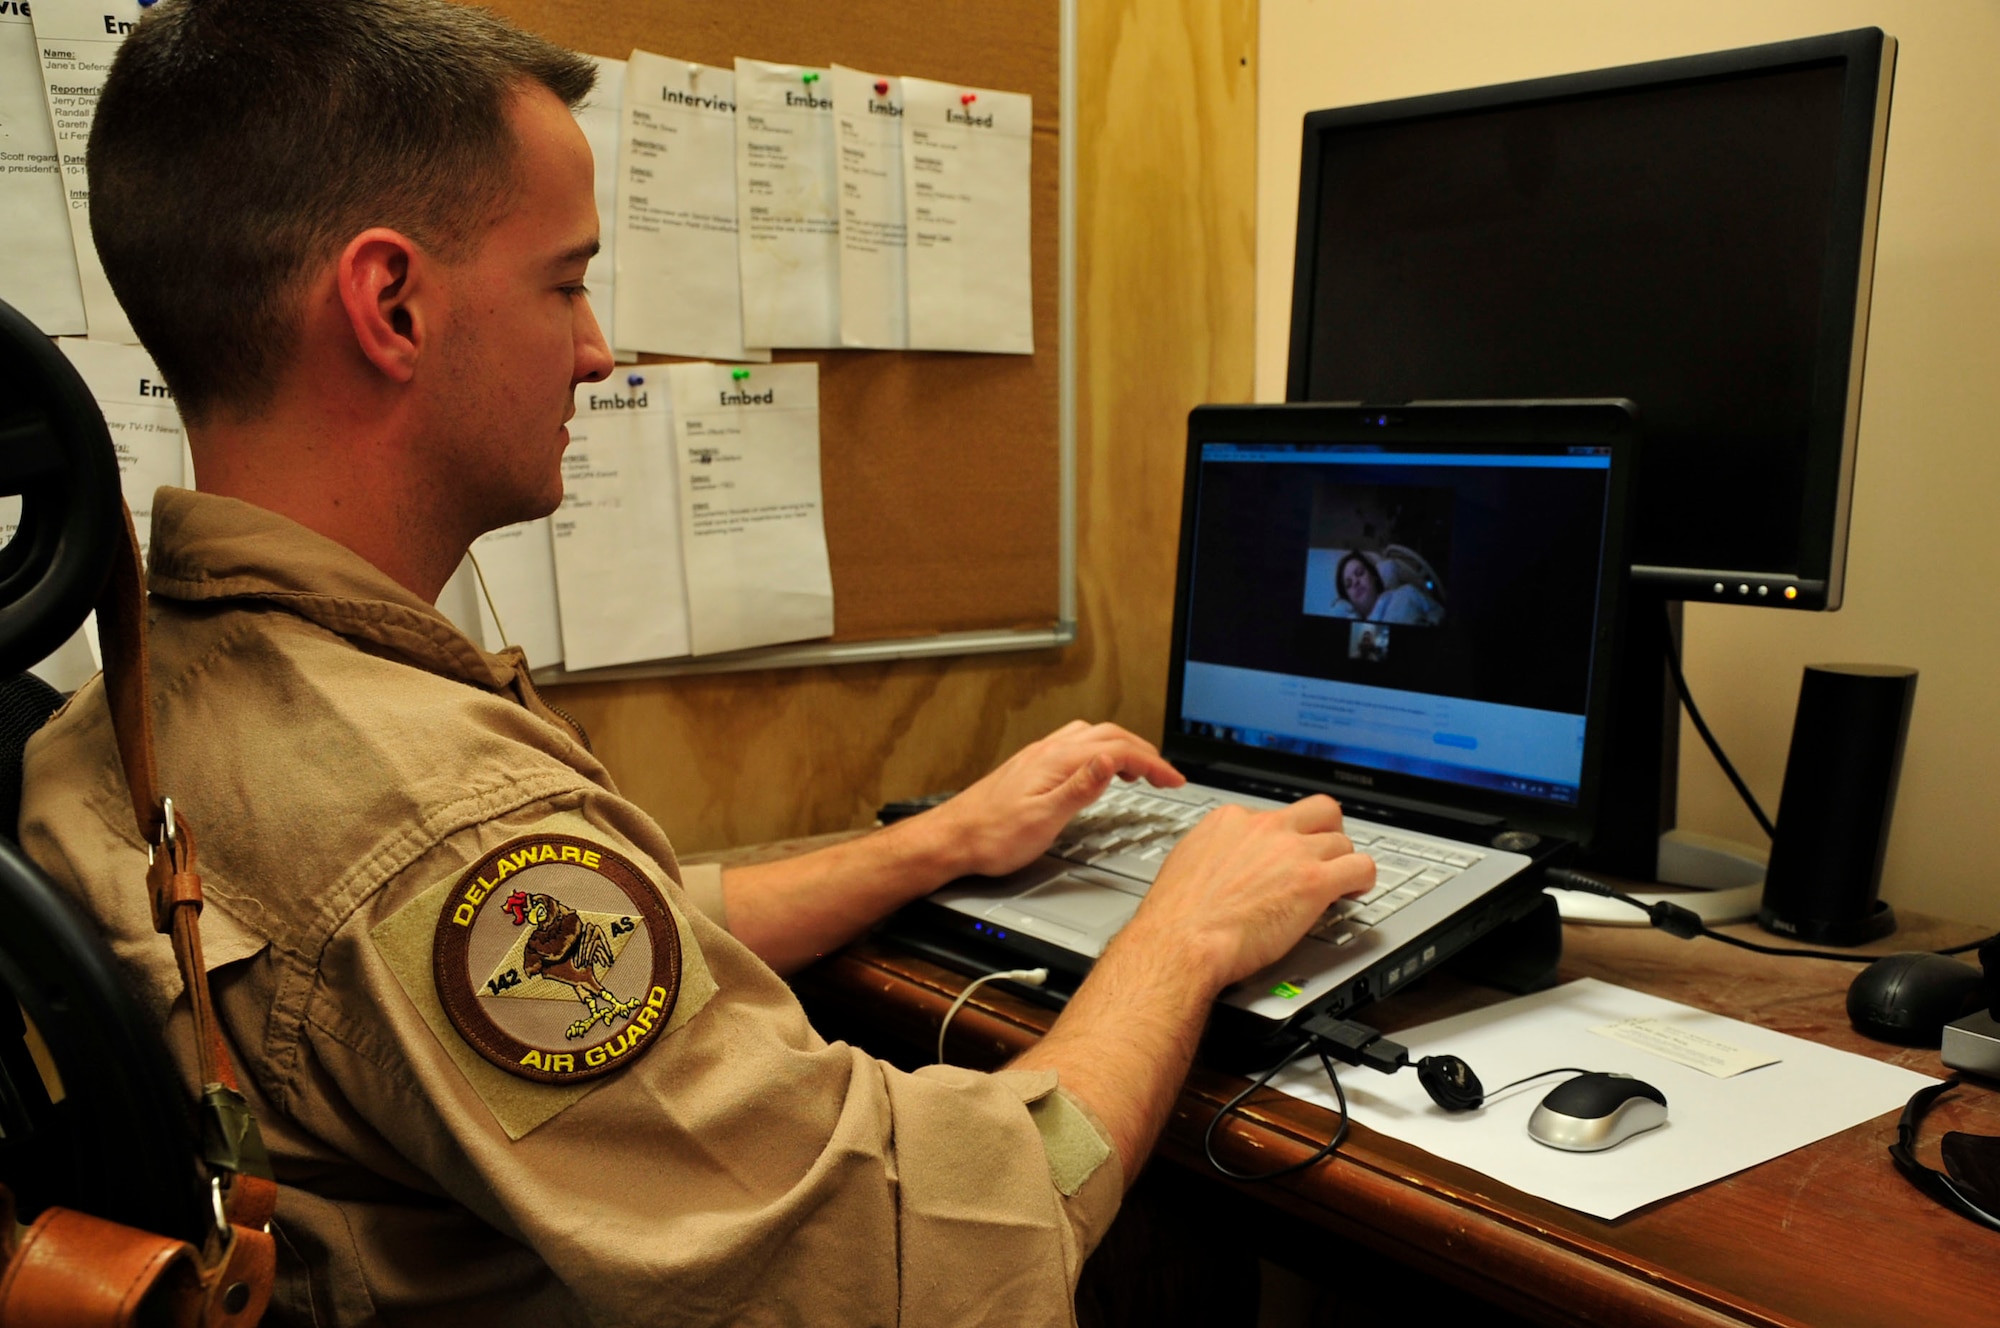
(1411, 608)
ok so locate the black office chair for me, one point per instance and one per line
(113, 1135)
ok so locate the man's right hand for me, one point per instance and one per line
(1243, 886)
(1238, 892)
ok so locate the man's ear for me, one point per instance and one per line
(380, 283)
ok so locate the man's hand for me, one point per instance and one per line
(1238, 892)
(1010, 817)
(1242, 887)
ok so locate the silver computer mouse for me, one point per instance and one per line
(1593, 1112)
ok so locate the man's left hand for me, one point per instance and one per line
(1006, 820)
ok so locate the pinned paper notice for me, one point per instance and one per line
(789, 241)
(874, 298)
(677, 262)
(1685, 1047)
(747, 447)
(965, 190)
(617, 534)
(38, 266)
(601, 118)
(518, 564)
(77, 40)
(139, 412)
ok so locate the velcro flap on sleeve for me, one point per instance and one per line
(703, 883)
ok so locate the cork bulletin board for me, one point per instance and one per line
(946, 477)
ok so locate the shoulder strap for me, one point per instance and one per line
(231, 1144)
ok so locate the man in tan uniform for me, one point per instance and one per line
(512, 1063)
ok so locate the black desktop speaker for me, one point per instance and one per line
(1833, 817)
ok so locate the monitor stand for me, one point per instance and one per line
(1637, 799)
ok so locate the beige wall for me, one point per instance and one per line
(1923, 585)
(1165, 232)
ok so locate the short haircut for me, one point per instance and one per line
(239, 144)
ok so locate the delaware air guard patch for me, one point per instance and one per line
(555, 959)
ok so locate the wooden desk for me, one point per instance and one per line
(1827, 1235)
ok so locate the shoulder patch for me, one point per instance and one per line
(555, 959)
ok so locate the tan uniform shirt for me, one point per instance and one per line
(346, 755)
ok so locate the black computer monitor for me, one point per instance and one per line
(1695, 234)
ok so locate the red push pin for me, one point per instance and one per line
(968, 99)
(881, 87)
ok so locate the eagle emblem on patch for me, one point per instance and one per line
(555, 959)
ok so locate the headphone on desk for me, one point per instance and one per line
(1970, 1183)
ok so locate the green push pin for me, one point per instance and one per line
(811, 78)
(739, 374)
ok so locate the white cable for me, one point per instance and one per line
(479, 575)
(1027, 977)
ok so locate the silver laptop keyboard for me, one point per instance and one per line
(1129, 831)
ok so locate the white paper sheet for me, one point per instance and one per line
(1715, 1126)
(617, 535)
(38, 262)
(519, 564)
(874, 286)
(747, 446)
(965, 189)
(678, 278)
(76, 40)
(786, 205)
(139, 412)
(601, 119)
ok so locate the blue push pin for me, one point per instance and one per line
(635, 380)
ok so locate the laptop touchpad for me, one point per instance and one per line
(1077, 902)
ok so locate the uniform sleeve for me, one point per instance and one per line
(736, 1166)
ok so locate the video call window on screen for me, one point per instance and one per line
(1374, 556)
(1426, 612)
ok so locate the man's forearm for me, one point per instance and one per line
(792, 911)
(1124, 1044)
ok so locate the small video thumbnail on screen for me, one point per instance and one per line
(1373, 557)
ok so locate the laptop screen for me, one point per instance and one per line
(1423, 611)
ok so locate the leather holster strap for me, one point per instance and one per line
(172, 881)
(121, 634)
(72, 1268)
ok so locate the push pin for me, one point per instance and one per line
(635, 380)
(881, 87)
(968, 98)
(810, 77)
(739, 374)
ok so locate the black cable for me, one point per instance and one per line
(1701, 727)
(1322, 1152)
(1530, 1078)
(1687, 924)
(1969, 945)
